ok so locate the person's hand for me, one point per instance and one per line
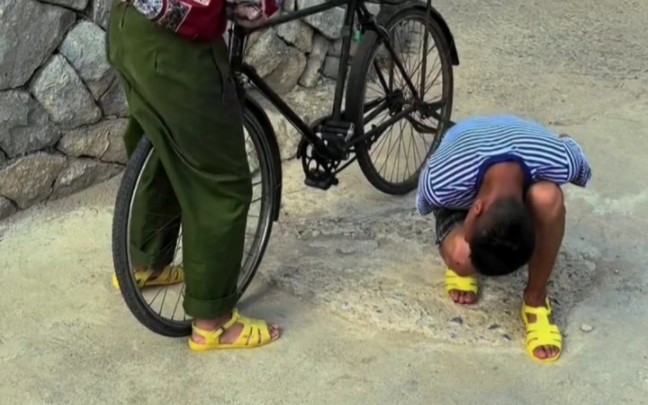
(250, 15)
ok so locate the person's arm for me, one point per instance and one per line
(581, 172)
(424, 195)
(429, 198)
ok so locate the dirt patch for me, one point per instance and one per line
(384, 271)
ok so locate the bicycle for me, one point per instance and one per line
(328, 145)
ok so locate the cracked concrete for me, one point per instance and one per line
(351, 274)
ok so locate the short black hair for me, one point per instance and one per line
(503, 238)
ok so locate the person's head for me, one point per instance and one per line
(500, 234)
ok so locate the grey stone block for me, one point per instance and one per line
(29, 32)
(63, 95)
(24, 124)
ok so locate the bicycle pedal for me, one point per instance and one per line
(322, 184)
(336, 129)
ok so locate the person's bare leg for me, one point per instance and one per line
(546, 201)
(456, 255)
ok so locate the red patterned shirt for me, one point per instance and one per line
(196, 20)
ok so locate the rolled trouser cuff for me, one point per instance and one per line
(209, 309)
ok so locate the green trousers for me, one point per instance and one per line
(181, 95)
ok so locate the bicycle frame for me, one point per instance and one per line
(237, 43)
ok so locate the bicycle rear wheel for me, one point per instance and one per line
(160, 308)
(377, 90)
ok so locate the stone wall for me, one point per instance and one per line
(299, 53)
(62, 111)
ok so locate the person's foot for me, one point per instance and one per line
(232, 334)
(463, 297)
(146, 277)
(228, 331)
(462, 289)
(538, 303)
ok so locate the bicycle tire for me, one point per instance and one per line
(357, 86)
(267, 159)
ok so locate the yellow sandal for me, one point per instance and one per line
(255, 333)
(170, 275)
(541, 332)
(455, 282)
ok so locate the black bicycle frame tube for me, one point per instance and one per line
(353, 7)
(237, 45)
(401, 68)
(349, 18)
(385, 35)
(283, 108)
(382, 127)
(374, 108)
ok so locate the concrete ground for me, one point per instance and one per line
(351, 274)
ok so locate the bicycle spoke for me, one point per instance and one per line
(415, 146)
(396, 165)
(155, 297)
(163, 299)
(425, 56)
(389, 151)
(398, 42)
(389, 148)
(164, 227)
(433, 81)
(401, 146)
(404, 46)
(410, 137)
(175, 308)
(426, 145)
(420, 64)
(381, 141)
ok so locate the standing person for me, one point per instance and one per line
(173, 64)
(493, 186)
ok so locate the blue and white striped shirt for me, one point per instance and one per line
(453, 174)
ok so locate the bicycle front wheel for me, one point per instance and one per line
(377, 91)
(160, 309)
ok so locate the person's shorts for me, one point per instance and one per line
(446, 220)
